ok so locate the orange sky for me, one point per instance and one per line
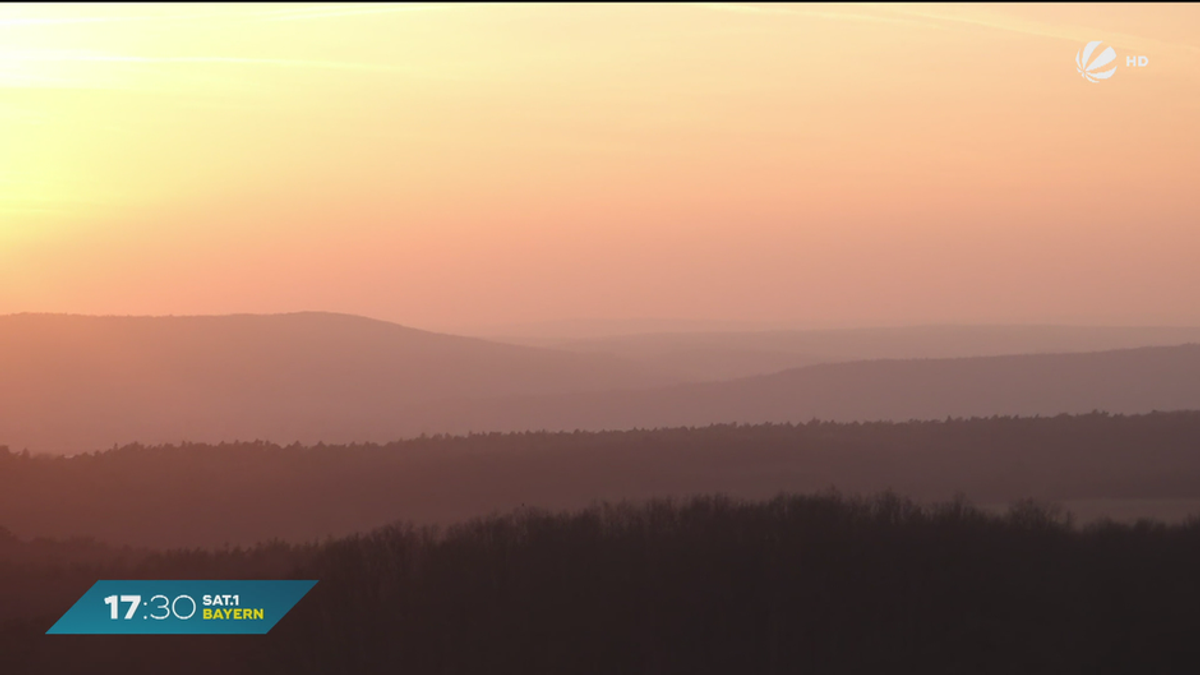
(452, 167)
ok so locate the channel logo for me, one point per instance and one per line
(1090, 68)
(1094, 64)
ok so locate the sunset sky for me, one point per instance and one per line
(459, 167)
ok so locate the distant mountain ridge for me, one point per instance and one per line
(72, 384)
(1120, 381)
(717, 355)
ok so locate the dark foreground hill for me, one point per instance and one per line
(795, 584)
(78, 383)
(242, 493)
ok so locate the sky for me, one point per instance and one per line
(458, 167)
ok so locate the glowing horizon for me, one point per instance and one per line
(446, 166)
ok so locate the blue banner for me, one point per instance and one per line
(181, 607)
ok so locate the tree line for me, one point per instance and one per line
(710, 584)
(239, 493)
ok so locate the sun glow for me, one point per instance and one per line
(457, 157)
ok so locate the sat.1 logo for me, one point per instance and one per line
(1094, 65)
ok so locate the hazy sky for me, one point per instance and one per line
(453, 166)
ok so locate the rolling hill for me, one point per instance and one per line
(76, 383)
(1119, 381)
(724, 354)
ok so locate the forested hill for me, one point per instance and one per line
(708, 585)
(245, 492)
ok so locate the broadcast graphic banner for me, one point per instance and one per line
(181, 607)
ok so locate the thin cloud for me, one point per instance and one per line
(17, 22)
(936, 19)
(814, 13)
(337, 11)
(291, 14)
(94, 57)
(1074, 34)
(48, 21)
